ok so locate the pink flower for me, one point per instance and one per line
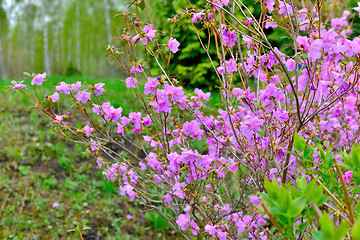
(76, 86)
(120, 129)
(129, 190)
(270, 25)
(225, 2)
(270, 5)
(129, 217)
(222, 235)
(150, 31)
(290, 64)
(173, 45)
(315, 49)
(255, 200)
(99, 162)
(303, 42)
(88, 130)
(210, 229)
(150, 86)
(63, 88)
(143, 167)
(247, 40)
(229, 37)
(231, 66)
(135, 69)
(94, 148)
(196, 17)
(18, 85)
(55, 97)
(38, 79)
(202, 95)
(59, 118)
(167, 198)
(99, 88)
(187, 208)
(131, 82)
(348, 174)
(153, 163)
(55, 205)
(221, 70)
(183, 221)
(83, 96)
(285, 8)
(281, 115)
(357, 8)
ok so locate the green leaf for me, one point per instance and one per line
(142, 5)
(318, 236)
(71, 230)
(341, 231)
(297, 206)
(356, 230)
(301, 183)
(295, 154)
(299, 143)
(355, 154)
(327, 226)
(132, 3)
(301, 227)
(315, 139)
(27, 74)
(11, 95)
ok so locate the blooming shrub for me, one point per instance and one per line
(273, 161)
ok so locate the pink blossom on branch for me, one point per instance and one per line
(173, 45)
(38, 79)
(357, 8)
(18, 85)
(131, 82)
(83, 96)
(88, 130)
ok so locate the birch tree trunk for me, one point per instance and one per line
(46, 49)
(57, 47)
(107, 20)
(26, 45)
(78, 58)
(2, 63)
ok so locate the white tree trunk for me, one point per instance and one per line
(107, 20)
(78, 36)
(57, 47)
(26, 45)
(46, 50)
(2, 64)
(69, 51)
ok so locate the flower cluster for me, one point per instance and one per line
(202, 163)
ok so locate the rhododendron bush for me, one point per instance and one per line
(278, 158)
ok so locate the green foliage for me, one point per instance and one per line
(299, 143)
(49, 183)
(328, 230)
(72, 70)
(304, 202)
(356, 230)
(284, 206)
(157, 221)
